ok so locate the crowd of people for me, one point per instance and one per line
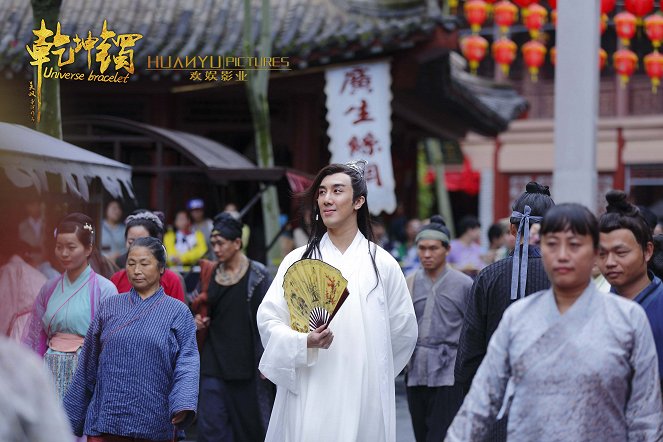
(553, 332)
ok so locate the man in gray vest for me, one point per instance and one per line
(438, 293)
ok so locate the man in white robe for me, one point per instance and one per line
(341, 390)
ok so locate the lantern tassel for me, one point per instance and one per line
(623, 81)
(534, 74)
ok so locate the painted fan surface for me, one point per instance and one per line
(314, 291)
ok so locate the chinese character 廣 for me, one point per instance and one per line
(357, 79)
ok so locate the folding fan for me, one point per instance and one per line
(314, 291)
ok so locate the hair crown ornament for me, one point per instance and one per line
(358, 166)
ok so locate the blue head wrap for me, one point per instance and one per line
(520, 254)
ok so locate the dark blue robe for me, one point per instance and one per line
(651, 299)
(138, 368)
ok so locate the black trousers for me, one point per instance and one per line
(228, 411)
(432, 410)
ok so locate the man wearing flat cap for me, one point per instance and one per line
(439, 293)
(235, 401)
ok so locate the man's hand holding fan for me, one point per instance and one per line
(314, 291)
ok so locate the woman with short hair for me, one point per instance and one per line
(570, 362)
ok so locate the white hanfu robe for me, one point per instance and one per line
(590, 374)
(344, 393)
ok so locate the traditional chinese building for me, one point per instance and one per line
(432, 95)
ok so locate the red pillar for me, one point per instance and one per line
(501, 186)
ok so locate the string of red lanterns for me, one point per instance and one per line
(534, 17)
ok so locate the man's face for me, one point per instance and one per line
(225, 249)
(335, 201)
(621, 259)
(432, 254)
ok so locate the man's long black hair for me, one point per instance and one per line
(318, 228)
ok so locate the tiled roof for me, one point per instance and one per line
(311, 32)
(499, 103)
(485, 106)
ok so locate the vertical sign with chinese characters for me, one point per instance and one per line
(359, 116)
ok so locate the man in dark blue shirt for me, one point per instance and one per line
(625, 248)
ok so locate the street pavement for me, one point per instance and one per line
(404, 431)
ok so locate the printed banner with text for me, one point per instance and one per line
(359, 117)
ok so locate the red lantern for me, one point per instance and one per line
(603, 58)
(625, 62)
(553, 55)
(525, 3)
(552, 4)
(505, 14)
(476, 12)
(625, 23)
(504, 52)
(534, 17)
(654, 68)
(474, 49)
(654, 29)
(553, 17)
(534, 53)
(639, 8)
(607, 6)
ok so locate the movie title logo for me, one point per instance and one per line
(103, 51)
